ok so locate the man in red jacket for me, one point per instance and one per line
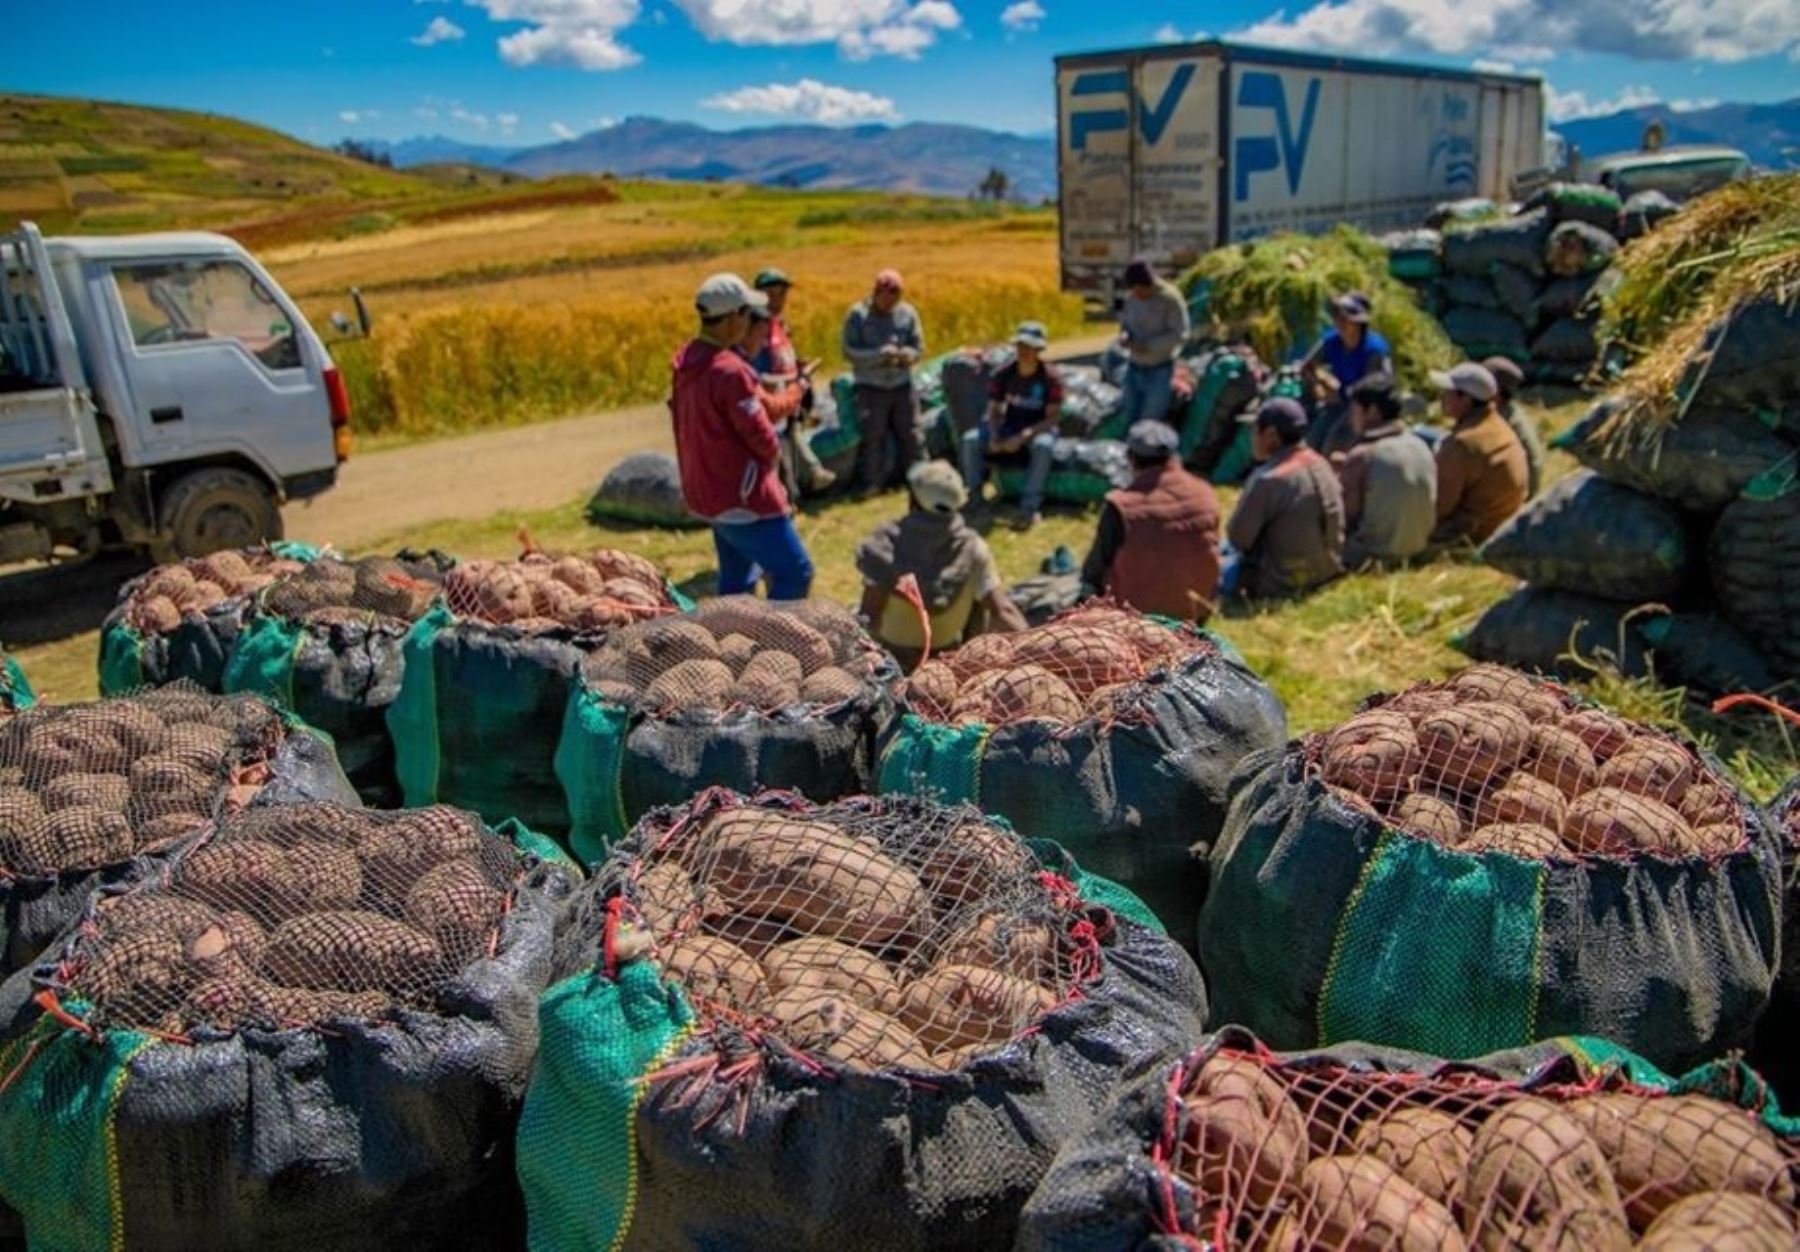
(1157, 545)
(728, 450)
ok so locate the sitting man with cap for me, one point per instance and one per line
(883, 340)
(1153, 324)
(958, 580)
(1287, 532)
(774, 357)
(1350, 351)
(727, 450)
(1481, 468)
(1024, 401)
(1511, 381)
(784, 397)
(1389, 481)
(1157, 545)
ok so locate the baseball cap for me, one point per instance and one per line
(724, 294)
(1469, 378)
(1032, 334)
(937, 487)
(889, 278)
(1284, 416)
(772, 277)
(1140, 272)
(1507, 374)
(1151, 439)
(1352, 306)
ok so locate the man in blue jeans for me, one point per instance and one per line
(728, 451)
(1024, 401)
(1153, 324)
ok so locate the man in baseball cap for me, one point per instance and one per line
(1348, 352)
(1287, 532)
(728, 451)
(958, 580)
(1157, 543)
(1019, 429)
(773, 356)
(883, 340)
(1482, 473)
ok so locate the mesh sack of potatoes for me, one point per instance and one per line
(1113, 733)
(1773, 1053)
(90, 792)
(489, 671)
(1484, 862)
(1567, 1147)
(15, 688)
(738, 693)
(863, 1025)
(181, 621)
(313, 1029)
(328, 643)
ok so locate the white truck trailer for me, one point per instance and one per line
(1172, 150)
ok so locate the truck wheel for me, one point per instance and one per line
(210, 510)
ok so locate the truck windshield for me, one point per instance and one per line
(188, 302)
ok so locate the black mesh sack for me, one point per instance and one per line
(1700, 461)
(1554, 632)
(1486, 332)
(1773, 1053)
(1475, 250)
(643, 490)
(1566, 341)
(1754, 557)
(1589, 535)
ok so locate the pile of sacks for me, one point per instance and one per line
(1517, 286)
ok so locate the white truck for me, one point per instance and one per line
(1172, 150)
(157, 391)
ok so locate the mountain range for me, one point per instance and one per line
(1768, 133)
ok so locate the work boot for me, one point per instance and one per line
(823, 479)
(1025, 519)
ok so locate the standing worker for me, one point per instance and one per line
(1153, 324)
(1481, 471)
(784, 399)
(777, 360)
(1389, 480)
(883, 340)
(1024, 402)
(1156, 547)
(727, 450)
(1511, 381)
(1350, 351)
(1288, 527)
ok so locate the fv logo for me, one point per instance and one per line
(1153, 119)
(1285, 150)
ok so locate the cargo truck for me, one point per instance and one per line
(1170, 151)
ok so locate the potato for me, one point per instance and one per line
(816, 965)
(1558, 756)
(1650, 767)
(715, 970)
(554, 600)
(1721, 1221)
(1374, 754)
(1666, 1148)
(761, 689)
(577, 575)
(1084, 658)
(457, 905)
(972, 862)
(1602, 732)
(839, 1029)
(972, 700)
(981, 654)
(1524, 840)
(1611, 822)
(690, 685)
(772, 628)
(1507, 686)
(1431, 816)
(1524, 799)
(80, 837)
(736, 651)
(1239, 1134)
(1420, 703)
(1360, 1204)
(233, 943)
(956, 1006)
(1031, 692)
(169, 582)
(1537, 1180)
(1464, 748)
(1710, 804)
(1427, 1147)
(351, 950)
(110, 792)
(830, 685)
(1011, 945)
(611, 563)
(666, 897)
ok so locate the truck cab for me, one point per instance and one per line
(159, 391)
(1680, 173)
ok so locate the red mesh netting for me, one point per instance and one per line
(1091, 662)
(156, 603)
(1310, 1155)
(289, 915)
(738, 652)
(88, 785)
(877, 934)
(604, 590)
(331, 591)
(1494, 760)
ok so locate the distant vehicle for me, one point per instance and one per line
(1171, 150)
(1680, 172)
(159, 391)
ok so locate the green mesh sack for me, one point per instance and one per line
(873, 1035)
(1580, 202)
(1474, 1154)
(15, 689)
(1082, 471)
(1111, 734)
(487, 676)
(1225, 382)
(1484, 863)
(313, 1029)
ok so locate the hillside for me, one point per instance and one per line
(94, 165)
(1768, 133)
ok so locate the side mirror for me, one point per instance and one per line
(362, 312)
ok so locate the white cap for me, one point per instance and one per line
(724, 294)
(1470, 379)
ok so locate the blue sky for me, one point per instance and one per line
(527, 71)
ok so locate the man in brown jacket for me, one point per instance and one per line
(1481, 471)
(1288, 527)
(1157, 544)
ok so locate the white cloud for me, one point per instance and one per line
(1022, 15)
(1569, 106)
(439, 30)
(562, 131)
(579, 33)
(808, 99)
(508, 122)
(1693, 106)
(354, 116)
(1168, 32)
(1535, 30)
(602, 123)
(426, 113)
(860, 28)
(1493, 67)
(478, 120)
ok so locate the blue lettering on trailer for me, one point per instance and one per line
(1153, 120)
(1285, 150)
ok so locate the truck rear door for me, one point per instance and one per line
(1095, 130)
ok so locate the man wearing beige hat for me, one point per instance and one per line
(958, 579)
(883, 341)
(1481, 469)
